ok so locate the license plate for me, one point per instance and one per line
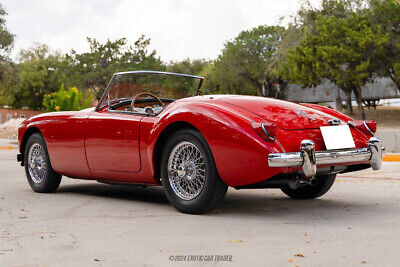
(337, 137)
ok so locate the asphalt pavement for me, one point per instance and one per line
(86, 223)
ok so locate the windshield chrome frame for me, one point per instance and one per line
(106, 92)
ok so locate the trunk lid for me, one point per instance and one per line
(286, 115)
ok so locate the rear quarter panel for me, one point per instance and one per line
(239, 153)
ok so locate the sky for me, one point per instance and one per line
(178, 29)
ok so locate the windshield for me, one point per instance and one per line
(166, 86)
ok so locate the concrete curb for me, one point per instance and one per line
(392, 157)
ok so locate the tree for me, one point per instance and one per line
(210, 85)
(187, 66)
(93, 70)
(8, 73)
(6, 38)
(385, 16)
(341, 50)
(37, 75)
(7, 68)
(307, 14)
(305, 22)
(248, 63)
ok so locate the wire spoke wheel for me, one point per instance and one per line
(186, 170)
(39, 172)
(37, 163)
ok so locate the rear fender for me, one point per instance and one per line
(239, 153)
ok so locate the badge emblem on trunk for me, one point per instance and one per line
(304, 114)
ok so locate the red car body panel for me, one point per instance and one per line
(64, 134)
(112, 142)
(122, 147)
(239, 153)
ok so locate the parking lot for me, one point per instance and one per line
(88, 223)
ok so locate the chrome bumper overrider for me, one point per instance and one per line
(308, 158)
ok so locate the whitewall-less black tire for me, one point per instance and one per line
(321, 186)
(41, 176)
(189, 175)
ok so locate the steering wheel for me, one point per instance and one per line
(145, 93)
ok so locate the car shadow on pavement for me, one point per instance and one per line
(153, 194)
(277, 205)
(247, 202)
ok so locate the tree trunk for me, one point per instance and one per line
(393, 78)
(277, 90)
(260, 89)
(263, 90)
(282, 87)
(267, 88)
(260, 86)
(397, 83)
(348, 102)
(338, 105)
(357, 93)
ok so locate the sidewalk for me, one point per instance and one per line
(8, 144)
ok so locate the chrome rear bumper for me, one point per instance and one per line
(308, 158)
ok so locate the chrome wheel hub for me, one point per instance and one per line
(186, 170)
(37, 163)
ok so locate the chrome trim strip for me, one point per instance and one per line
(369, 130)
(98, 107)
(291, 159)
(266, 132)
(352, 124)
(373, 153)
(295, 159)
(158, 72)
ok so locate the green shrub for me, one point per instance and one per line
(70, 99)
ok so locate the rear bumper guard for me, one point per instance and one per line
(308, 158)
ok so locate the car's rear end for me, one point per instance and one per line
(314, 139)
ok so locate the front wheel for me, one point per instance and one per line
(41, 176)
(321, 185)
(188, 173)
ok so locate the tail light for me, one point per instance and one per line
(265, 130)
(368, 127)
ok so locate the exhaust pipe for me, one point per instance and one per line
(296, 181)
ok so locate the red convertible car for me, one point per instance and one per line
(146, 130)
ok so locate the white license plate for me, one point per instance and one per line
(337, 137)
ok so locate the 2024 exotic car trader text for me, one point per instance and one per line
(146, 130)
